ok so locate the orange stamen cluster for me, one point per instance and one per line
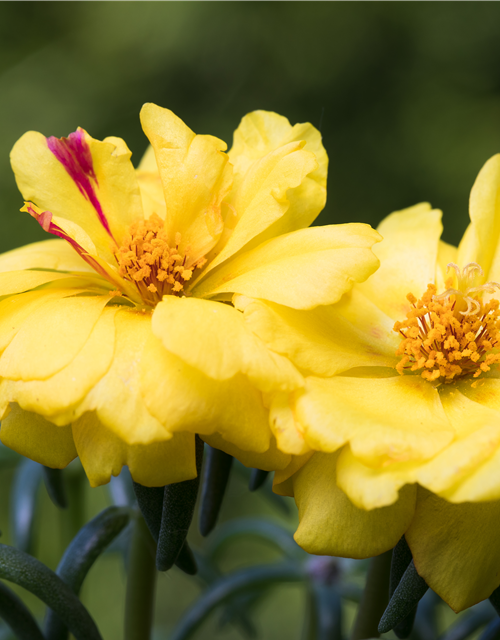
(156, 268)
(446, 343)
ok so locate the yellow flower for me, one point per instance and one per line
(118, 339)
(397, 430)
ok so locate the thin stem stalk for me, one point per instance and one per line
(141, 584)
(375, 598)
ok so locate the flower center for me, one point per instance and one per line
(148, 261)
(453, 334)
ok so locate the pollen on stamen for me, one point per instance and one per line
(452, 335)
(154, 266)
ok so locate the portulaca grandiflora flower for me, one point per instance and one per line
(397, 429)
(118, 338)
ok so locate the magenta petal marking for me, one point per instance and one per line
(74, 154)
(45, 221)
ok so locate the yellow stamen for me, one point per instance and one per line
(453, 334)
(148, 261)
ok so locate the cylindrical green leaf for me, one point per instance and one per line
(215, 478)
(185, 561)
(178, 507)
(230, 586)
(27, 480)
(54, 482)
(469, 623)
(17, 615)
(492, 631)
(82, 552)
(29, 573)
(401, 558)
(150, 501)
(266, 530)
(257, 479)
(325, 615)
(406, 597)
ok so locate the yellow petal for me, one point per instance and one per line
(301, 269)
(51, 338)
(446, 254)
(283, 478)
(148, 161)
(57, 255)
(196, 176)
(12, 282)
(455, 548)
(286, 429)
(323, 341)
(481, 240)
(408, 255)
(117, 398)
(331, 525)
(182, 398)
(15, 310)
(82, 180)
(477, 437)
(268, 460)
(482, 484)
(153, 200)
(261, 132)
(34, 437)
(371, 488)
(57, 397)
(214, 338)
(386, 420)
(259, 197)
(103, 454)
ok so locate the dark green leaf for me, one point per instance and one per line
(401, 558)
(266, 530)
(54, 482)
(470, 622)
(325, 613)
(232, 585)
(150, 501)
(29, 573)
(15, 613)
(215, 478)
(178, 507)
(185, 561)
(404, 628)
(492, 631)
(82, 552)
(495, 600)
(27, 480)
(257, 479)
(405, 598)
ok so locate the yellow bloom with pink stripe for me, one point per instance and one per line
(118, 338)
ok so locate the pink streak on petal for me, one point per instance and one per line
(74, 154)
(45, 221)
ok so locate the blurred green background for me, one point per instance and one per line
(407, 95)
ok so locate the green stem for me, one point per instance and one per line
(141, 583)
(375, 598)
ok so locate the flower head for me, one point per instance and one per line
(397, 428)
(118, 338)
